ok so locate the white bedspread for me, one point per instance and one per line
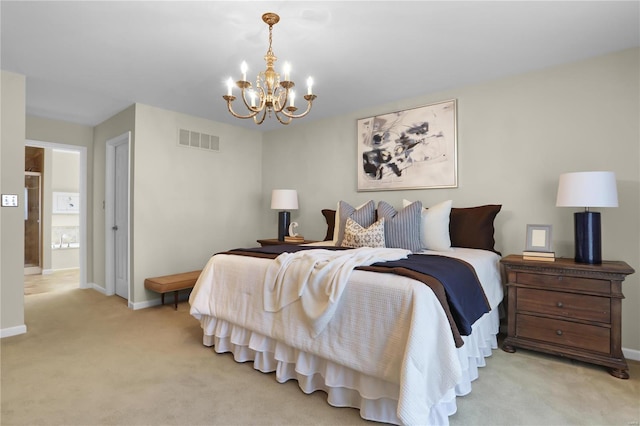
(317, 278)
(387, 327)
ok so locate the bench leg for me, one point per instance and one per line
(175, 300)
(162, 297)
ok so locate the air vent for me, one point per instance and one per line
(191, 139)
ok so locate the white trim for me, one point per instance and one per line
(47, 271)
(145, 304)
(61, 269)
(82, 150)
(32, 270)
(13, 331)
(633, 354)
(98, 288)
(168, 301)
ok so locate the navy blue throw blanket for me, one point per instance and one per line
(465, 295)
(465, 298)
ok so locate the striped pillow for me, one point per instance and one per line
(401, 228)
(356, 236)
(364, 215)
(434, 228)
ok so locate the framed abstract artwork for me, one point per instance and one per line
(411, 149)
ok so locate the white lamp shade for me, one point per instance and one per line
(284, 199)
(587, 189)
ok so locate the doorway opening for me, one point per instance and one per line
(62, 216)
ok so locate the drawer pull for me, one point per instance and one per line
(559, 305)
(559, 332)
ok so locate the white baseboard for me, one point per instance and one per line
(47, 271)
(631, 354)
(145, 304)
(13, 331)
(168, 300)
(97, 288)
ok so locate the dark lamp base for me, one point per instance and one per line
(284, 218)
(587, 238)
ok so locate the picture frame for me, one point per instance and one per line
(66, 203)
(415, 148)
(538, 238)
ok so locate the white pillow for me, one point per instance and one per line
(434, 226)
(356, 236)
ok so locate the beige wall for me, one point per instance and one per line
(515, 137)
(187, 203)
(66, 171)
(12, 135)
(190, 203)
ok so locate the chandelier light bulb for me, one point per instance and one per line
(292, 98)
(243, 69)
(229, 86)
(287, 71)
(309, 86)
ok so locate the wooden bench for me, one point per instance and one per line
(175, 283)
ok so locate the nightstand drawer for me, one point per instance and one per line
(564, 333)
(562, 282)
(569, 305)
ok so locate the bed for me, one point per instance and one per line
(387, 348)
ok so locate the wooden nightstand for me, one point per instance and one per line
(568, 309)
(275, 242)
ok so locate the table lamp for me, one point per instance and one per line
(587, 189)
(283, 200)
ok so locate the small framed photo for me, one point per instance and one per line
(66, 202)
(538, 238)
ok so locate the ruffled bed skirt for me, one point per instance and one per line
(376, 399)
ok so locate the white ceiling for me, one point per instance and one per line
(86, 60)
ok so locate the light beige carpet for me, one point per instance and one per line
(57, 280)
(89, 360)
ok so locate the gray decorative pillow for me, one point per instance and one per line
(356, 236)
(401, 228)
(365, 215)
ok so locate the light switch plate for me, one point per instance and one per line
(9, 200)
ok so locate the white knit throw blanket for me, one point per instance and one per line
(318, 277)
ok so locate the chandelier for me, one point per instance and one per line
(270, 94)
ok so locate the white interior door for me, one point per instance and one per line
(121, 220)
(117, 221)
